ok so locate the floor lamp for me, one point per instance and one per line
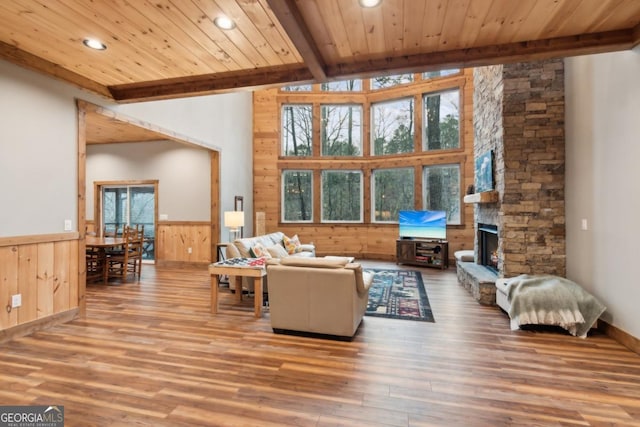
(233, 220)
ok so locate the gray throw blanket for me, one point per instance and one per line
(552, 300)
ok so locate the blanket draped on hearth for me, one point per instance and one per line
(552, 300)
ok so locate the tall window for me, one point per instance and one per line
(297, 196)
(341, 130)
(441, 120)
(441, 184)
(392, 192)
(341, 196)
(297, 130)
(130, 205)
(392, 126)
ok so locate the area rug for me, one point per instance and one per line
(398, 294)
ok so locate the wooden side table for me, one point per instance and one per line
(238, 267)
(220, 256)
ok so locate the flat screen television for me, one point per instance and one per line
(428, 225)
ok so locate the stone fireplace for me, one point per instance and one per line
(519, 117)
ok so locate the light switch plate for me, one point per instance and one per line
(68, 225)
(16, 300)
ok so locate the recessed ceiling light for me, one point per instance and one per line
(224, 22)
(94, 44)
(369, 3)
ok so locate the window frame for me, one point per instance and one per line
(361, 126)
(460, 205)
(425, 122)
(371, 125)
(361, 197)
(282, 129)
(283, 198)
(373, 193)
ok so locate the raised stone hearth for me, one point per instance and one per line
(478, 280)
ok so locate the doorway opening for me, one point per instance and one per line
(124, 204)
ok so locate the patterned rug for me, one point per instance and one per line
(398, 294)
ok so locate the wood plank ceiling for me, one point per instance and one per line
(170, 48)
(159, 49)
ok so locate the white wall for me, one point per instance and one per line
(223, 122)
(38, 146)
(38, 166)
(602, 177)
(184, 175)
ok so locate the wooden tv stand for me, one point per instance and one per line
(425, 253)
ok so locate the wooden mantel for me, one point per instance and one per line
(484, 197)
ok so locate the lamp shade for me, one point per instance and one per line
(234, 219)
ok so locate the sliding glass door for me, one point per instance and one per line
(130, 205)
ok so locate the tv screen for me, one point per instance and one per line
(423, 224)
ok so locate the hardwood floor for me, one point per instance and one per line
(151, 354)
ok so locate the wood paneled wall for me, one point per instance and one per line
(44, 271)
(371, 240)
(174, 238)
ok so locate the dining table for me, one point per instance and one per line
(101, 244)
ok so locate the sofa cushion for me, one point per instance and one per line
(291, 244)
(246, 243)
(314, 262)
(258, 250)
(277, 251)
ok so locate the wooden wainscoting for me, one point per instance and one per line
(44, 271)
(174, 238)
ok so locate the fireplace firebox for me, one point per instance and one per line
(488, 246)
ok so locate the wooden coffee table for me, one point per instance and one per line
(239, 267)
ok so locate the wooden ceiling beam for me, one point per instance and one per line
(211, 83)
(35, 63)
(289, 16)
(488, 55)
(636, 35)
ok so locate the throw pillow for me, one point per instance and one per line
(277, 251)
(258, 251)
(291, 244)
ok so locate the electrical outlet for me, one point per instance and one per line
(189, 250)
(16, 300)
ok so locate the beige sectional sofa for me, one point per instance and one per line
(325, 296)
(273, 243)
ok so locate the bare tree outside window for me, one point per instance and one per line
(296, 88)
(384, 82)
(441, 120)
(297, 130)
(392, 126)
(297, 200)
(341, 130)
(439, 73)
(130, 205)
(393, 191)
(342, 86)
(341, 196)
(441, 185)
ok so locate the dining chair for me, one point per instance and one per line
(113, 231)
(129, 259)
(95, 266)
